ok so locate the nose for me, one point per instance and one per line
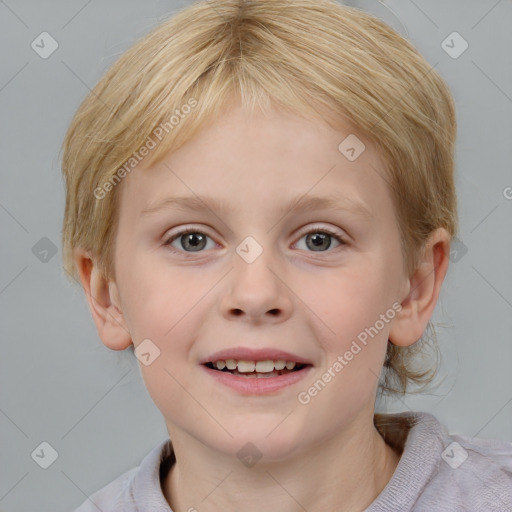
(256, 290)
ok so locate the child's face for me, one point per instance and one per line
(311, 303)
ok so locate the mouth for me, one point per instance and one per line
(256, 369)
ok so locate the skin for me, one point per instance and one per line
(326, 455)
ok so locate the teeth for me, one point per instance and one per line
(244, 366)
(264, 366)
(255, 375)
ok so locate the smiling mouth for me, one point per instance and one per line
(256, 369)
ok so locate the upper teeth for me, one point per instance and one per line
(250, 366)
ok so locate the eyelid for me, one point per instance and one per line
(336, 232)
(170, 237)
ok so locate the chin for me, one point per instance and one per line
(267, 439)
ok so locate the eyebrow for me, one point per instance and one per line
(298, 204)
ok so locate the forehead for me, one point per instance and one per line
(269, 161)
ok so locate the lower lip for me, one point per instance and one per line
(258, 386)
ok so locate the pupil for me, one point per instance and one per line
(320, 238)
(194, 240)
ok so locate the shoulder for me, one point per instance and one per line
(139, 485)
(442, 471)
(474, 471)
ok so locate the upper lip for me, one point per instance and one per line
(250, 354)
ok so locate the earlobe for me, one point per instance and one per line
(424, 288)
(103, 299)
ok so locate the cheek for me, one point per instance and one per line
(158, 296)
(352, 333)
(346, 301)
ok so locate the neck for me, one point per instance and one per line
(345, 473)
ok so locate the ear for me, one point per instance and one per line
(103, 299)
(423, 291)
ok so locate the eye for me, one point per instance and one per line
(319, 239)
(190, 240)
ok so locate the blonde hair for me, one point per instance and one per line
(314, 58)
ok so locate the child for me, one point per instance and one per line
(310, 147)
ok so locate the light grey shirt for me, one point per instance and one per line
(437, 472)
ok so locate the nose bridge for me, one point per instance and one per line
(253, 261)
(255, 287)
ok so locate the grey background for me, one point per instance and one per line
(59, 384)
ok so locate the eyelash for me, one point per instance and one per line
(314, 229)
